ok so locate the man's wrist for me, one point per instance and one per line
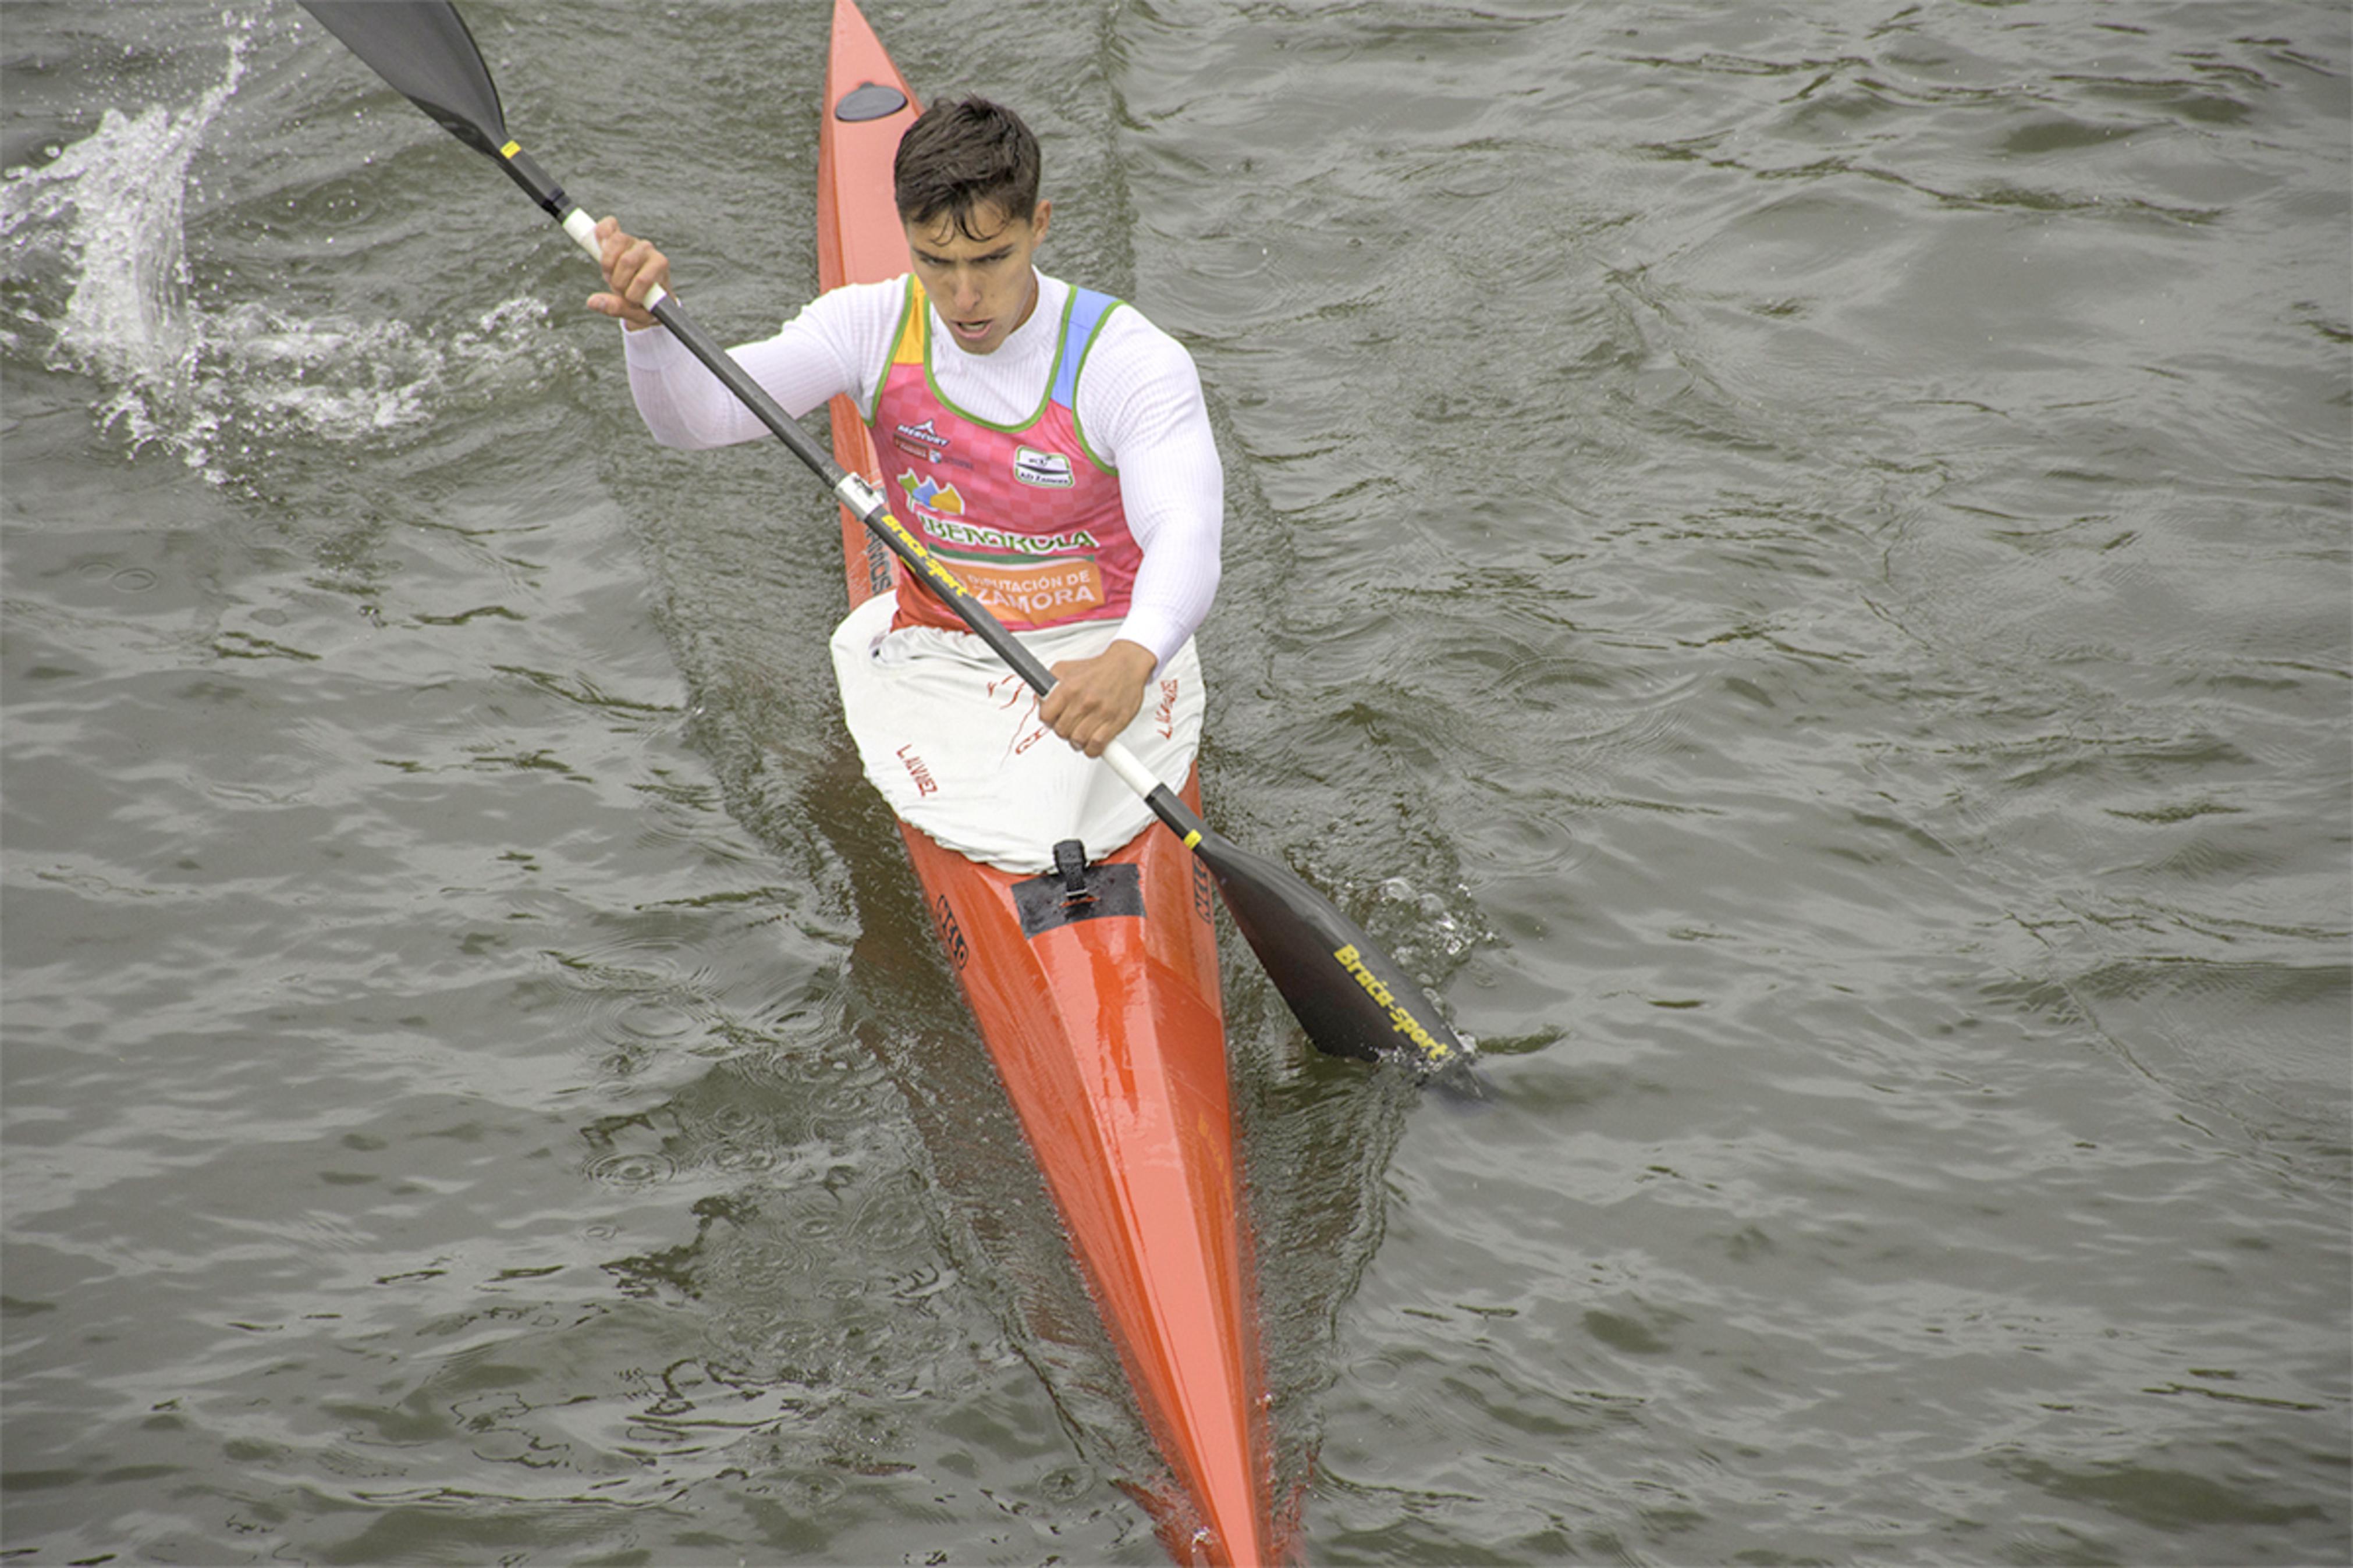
(1135, 656)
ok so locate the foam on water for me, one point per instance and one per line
(102, 284)
(109, 209)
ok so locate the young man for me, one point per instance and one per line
(1048, 442)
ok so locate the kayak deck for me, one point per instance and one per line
(1101, 1012)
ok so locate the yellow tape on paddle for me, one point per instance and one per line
(930, 563)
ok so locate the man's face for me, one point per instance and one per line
(981, 288)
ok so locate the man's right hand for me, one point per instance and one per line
(633, 269)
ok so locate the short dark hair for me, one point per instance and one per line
(959, 157)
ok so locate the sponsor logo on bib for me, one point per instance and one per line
(923, 436)
(1048, 470)
(930, 494)
(1033, 593)
(924, 783)
(925, 445)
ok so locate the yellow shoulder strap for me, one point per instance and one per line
(914, 325)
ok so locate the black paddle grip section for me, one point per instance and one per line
(535, 182)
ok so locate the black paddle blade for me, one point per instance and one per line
(1350, 995)
(422, 47)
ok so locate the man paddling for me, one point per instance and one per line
(1048, 443)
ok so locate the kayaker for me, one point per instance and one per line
(1048, 443)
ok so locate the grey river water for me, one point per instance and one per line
(1792, 559)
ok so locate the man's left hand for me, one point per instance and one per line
(1094, 698)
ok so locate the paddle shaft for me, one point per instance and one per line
(1344, 988)
(863, 501)
(1353, 998)
(866, 505)
(1297, 922)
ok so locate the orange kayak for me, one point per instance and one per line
(1096, 993)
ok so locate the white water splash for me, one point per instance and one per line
(108, 210)
(99, 284)
(261, 376)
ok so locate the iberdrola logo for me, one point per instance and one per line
(931, 494)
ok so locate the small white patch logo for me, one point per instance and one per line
(1049, 470)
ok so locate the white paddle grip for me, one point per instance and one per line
(582, 227)
(1130, 768)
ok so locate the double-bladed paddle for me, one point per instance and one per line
(1349, 995)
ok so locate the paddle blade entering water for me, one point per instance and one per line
(422, 47)
(1348, 994)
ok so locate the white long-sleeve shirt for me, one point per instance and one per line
(1139, 402)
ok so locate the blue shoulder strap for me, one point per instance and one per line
(1087, 310)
